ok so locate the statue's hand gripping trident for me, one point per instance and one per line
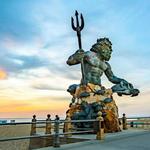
(78, 29)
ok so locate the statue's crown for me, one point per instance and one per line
(104, 41)
(101, 41)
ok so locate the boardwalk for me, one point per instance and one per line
(126, 140)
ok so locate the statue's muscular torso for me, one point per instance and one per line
(93, 68)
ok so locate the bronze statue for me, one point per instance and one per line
(94, 64)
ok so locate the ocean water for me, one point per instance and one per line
(18, 119)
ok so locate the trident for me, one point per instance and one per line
(78, 29)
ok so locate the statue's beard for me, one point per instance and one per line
(107, 57)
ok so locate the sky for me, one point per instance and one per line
(36, 39)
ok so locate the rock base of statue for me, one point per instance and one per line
(88, 101)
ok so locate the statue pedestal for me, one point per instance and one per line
(91, 99)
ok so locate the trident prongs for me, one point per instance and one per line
(78, 27)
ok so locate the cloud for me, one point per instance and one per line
(47, 87)
(13, 63)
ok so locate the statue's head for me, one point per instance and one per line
(103, 47)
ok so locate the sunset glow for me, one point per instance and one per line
(3, 74)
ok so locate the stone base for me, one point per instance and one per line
(89, 102)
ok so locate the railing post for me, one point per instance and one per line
(147, 124)
(136, 125)
(33, 125)
(131, 124)
(48, 124)
(124, 122)
(56, 140)
(100, 131)
(67, 126)
(143, 123)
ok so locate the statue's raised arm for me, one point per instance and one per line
(76, 58)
